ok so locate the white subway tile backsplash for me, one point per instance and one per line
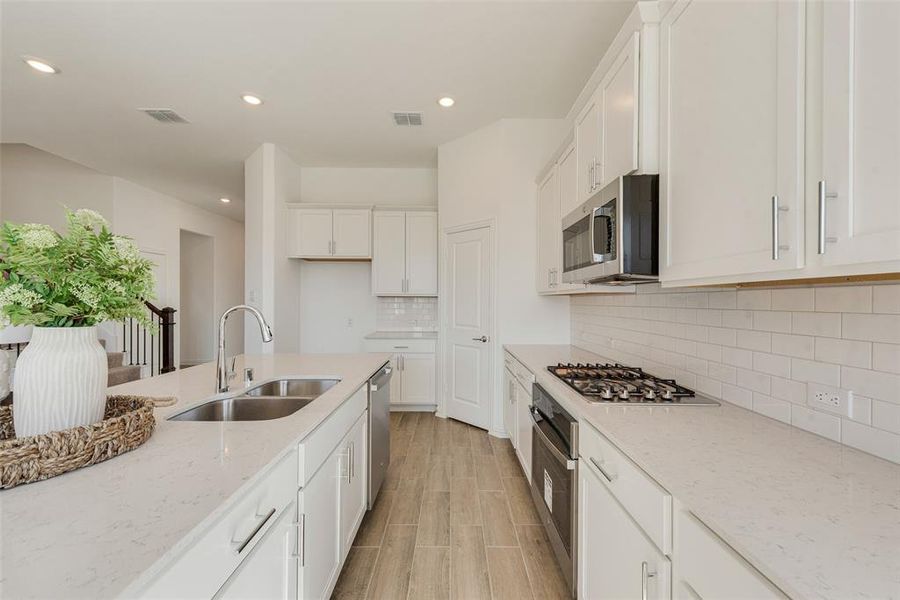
(886, 357)
(809, 370)
(800, 346)
(844, 352)
(757, 349)
(886, 299)
(406, 314)
(874, 328)
(828, 426)
(821, 324)
(794, 299)
(856, 299)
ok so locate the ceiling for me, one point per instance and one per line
(330, 74)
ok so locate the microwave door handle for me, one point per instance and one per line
(592, 217)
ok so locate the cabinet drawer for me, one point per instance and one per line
(648, 503)
(317, 446)
(416, 346)
(711, 568)
(202, 569)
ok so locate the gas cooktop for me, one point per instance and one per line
(620, 384)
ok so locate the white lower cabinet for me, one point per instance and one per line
(353, 482)
(269, 572)
(523, 428)
(706, 567)
(509, 405)
(320, 529)
(413, 383)
(615, 558)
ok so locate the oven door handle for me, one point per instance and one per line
(562, 458)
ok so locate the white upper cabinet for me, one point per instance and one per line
(587, 143)
(404, 261)
(316, 232)
(389, 253)
(351, 237)
(860, 175)
(548, 231)
(421, 253)
(567, 173)
(731, 138)
(619, 94)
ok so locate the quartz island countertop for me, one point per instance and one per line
(819, 519)
(93, 532)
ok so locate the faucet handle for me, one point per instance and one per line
(248, 376)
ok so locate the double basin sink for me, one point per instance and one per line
(270, 400)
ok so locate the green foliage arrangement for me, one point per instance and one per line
(80, 279)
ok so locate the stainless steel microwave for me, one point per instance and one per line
(614, 236)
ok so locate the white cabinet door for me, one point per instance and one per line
(270, 571)
(548, 231)
(523, 428)
(587, 143)
(320, 547)
(567, 172)
(619, 92)
(731, 127)
(352, 233)
(860, 132)
(389, 253)
(417, 372)
(310, 232)
(509, 406)
(353, 482)
(615, 558)
(421, 253)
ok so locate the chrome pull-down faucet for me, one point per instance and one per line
(223, 373)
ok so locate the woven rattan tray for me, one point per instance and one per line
(127, 423)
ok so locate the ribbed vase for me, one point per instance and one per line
(60, 381)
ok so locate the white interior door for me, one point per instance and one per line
(469, 326)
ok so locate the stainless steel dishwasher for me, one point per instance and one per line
(379, 429)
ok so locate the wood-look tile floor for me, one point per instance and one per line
(454, 519)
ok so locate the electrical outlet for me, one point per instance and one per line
(831, 399)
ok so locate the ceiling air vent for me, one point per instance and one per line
(164, 115)
(407, 119)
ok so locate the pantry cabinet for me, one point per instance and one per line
(616, 559)
(731, 138)
(857, 193)
(324, 233)
(405, 253)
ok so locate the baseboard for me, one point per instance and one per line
(413, 407)
(498, 434)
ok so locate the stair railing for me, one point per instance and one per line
(154, 353)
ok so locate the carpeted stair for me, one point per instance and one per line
(118, 371)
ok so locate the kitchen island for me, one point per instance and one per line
(110, 529)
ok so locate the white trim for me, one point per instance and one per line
(412, 407)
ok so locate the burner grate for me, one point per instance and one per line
(619, 383)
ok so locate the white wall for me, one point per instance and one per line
(197, 317)
(333, 294)
(333, 185)
(36, 185)
(490, 174)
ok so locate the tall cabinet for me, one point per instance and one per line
(731, 138)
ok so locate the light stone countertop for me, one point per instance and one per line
(819, 519)
(402, 335)
(93, 532)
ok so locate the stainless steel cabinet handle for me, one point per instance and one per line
(301, 539)
(601, 469)
(597, 172)
(824, 195)
(591, 178)
(646, 574)
(776, 244)
(483, 339)
(243, 544)
(401, 347)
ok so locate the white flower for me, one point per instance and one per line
(39, 237)
(86, 294)
(90, 219)
(16, 293)
(126, 249)
(115, 286)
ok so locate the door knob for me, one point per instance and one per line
(483, 339)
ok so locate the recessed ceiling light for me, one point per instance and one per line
(224, 200)
(251, 99)
(39, 65)
(446, 101)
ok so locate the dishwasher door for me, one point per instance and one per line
(379, 430)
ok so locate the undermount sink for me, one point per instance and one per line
(271, 400)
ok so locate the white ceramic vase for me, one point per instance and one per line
(60, 381)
